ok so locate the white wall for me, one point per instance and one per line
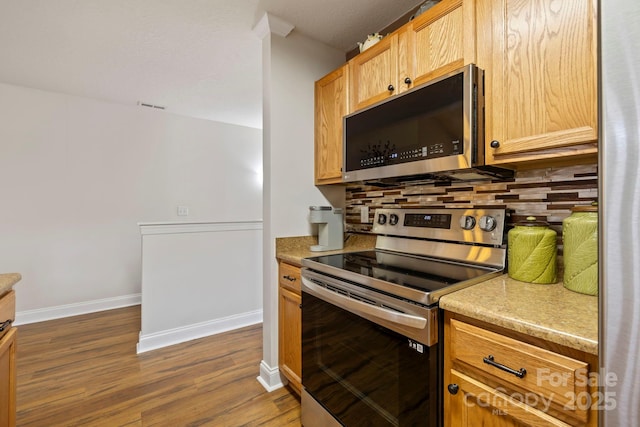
(291, 65)
(77, 175)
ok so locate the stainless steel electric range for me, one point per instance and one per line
(371, 326)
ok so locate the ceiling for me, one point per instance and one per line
(197, 58)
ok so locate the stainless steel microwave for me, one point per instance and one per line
(434, 130)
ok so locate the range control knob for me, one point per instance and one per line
(382, 219)
(393, 219)
(467, 222)
(488, 223)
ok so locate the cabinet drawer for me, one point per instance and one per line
(289, 277)
(541, 377)
(8, 306)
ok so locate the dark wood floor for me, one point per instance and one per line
(84, 371)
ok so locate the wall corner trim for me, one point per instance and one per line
(270, 23)
(269, 377)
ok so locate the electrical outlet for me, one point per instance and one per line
(364, 214)
(183, 210)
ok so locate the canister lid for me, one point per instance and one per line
(532, 221)
(593, 207)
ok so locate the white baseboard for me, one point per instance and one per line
(198, 330)
(67, 310)
(269, 377)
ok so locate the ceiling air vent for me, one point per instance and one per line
(146, 104)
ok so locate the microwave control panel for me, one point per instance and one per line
(388, 154)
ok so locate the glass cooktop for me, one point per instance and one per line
(420, 273)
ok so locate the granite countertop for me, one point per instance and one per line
(293, 249)
(550, 312)
(7, 281)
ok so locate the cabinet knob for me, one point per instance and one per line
(407, 80)
(495, 144)
(289, 278)
(390, 88)
(453, 388)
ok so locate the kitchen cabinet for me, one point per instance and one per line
(438, 41)
(541, 79)
(373, 74)
(7, 361)
(441, 40)
(290, 324)
(331, 105)
(498, 377)
(478, 404)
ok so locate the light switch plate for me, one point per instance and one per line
(364, 214)
(183, 210)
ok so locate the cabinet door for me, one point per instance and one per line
(473, 403)
(331, 105)
(290, 337)
(441, 40)
(8, 376)
(373, 74)
(541, 79)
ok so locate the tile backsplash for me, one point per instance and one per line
(547, 194)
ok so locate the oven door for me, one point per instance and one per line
(360, 371)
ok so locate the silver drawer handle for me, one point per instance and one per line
(489, 360)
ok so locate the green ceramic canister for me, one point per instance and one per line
(532, 252)
(580, 238)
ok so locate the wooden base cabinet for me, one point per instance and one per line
(477, 404)
(290, 325)
(8, 383)
(541, 79)
(501, 378)
(7, 362)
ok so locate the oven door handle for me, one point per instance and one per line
(360, 307)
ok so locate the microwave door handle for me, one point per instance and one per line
(364, 308)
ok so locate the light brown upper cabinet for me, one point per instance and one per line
(441, 40)
(541, 80)
(436, 42)
(331, 105)
(373, 73)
